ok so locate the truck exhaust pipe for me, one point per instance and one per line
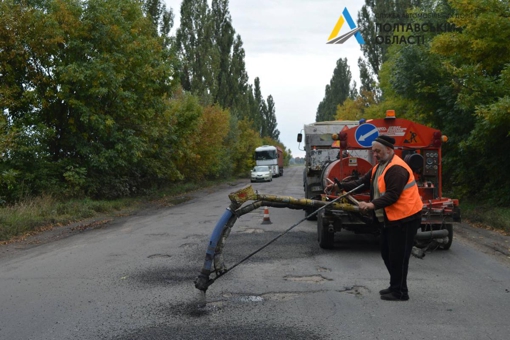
(431, 235)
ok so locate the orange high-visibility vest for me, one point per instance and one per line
(409, 202)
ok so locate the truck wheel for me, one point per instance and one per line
(324, 237)
(447, 245)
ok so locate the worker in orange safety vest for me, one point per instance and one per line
(395, 206)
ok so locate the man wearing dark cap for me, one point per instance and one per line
(396, 206)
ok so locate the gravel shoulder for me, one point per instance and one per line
(491, 242)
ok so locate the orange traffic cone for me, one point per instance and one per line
(266, 219)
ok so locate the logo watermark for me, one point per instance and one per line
(397, 27)
(345, 17)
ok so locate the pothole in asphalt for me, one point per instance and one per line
(307, 279)
(201, 307)
(281, 296)
(188, 245)
(192, 309)
(243, 298)
(251, 298)
(251, 231)
(270, 296)
(355, 290)
(193, 236)
(160, 276)
(153, 256)
(158, 234)
(322, 269)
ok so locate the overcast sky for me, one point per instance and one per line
(285, 45)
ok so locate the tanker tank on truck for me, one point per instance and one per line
(320, 150)
(272, 156)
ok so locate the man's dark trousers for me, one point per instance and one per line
(396, 244)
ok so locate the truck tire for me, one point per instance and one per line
(447, 245)
(325, 238)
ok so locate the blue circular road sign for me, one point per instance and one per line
(365, 134)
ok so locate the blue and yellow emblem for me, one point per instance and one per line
(333, 37)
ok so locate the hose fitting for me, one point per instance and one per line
(202, 282)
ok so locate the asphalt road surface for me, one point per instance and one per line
(132, 278)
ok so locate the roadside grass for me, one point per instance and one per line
(37, 214)
(45, 212)
(495, 218)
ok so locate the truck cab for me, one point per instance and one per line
(320, 150)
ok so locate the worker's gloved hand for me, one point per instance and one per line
(338, 184)
(365, 207)
(329, 187)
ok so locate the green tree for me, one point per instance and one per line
(184, 114)
(199, 150)
(239, 77)
(223, 35)
(89, 102)
(477, 58)
(211, 55)
(417, 85)
(372, 52)
(162, 19)
(94, 78)
(270, 120)
(458, 82)
(380, 12)
(368, 85)
(363, 106)
(29, 59)
(247, 140)
(259, 106)
(194, 46)
(337, 91)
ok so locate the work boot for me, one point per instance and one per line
(395, 297)
(385, 291)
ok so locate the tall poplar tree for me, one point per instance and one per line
(238, 77)
(337, 91)
(270, 120)
(260, 104)
(211, 55)
(194, 45)
(373, 12)
(162, 19)
(223, 36)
